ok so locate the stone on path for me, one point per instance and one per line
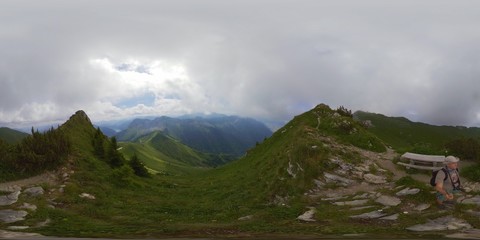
(388, 200)
(370, 215)
(34, 191)
(391, 217)
(28, 206)
(465, 234)
(407, 191)
(9, 199)
(441, 224)
(361, 208)
(352, 203)
(12, 235)
(308, 215)
(421, 207)
(332, 178)
(370, 178)
(10, 216)
(472, 200)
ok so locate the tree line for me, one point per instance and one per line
(35, 153)
(107, 150)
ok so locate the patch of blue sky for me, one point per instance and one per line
(147, 99)
(126, 67)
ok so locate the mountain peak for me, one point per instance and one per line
(80, 114)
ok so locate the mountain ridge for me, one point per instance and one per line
(218, 134)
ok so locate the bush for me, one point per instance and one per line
(472, 173)
(123, 176)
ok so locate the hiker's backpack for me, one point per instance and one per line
(434, 176)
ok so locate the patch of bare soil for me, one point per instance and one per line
(47, 177)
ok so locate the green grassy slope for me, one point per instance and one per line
(203, 201)
(11, 136)
(162, 152)
(405, 135)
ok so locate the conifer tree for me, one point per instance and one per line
(138, 167)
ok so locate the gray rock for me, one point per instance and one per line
(408, 191)
(388, 200)
(17, 227)
(361, 208)
(10, 216)
(28, 206)
(465, 234)
(43, 224)
(441, 224)
(12, 235)
(422, 207)
(370, 178)
(34, 191)
(391, 217)
(308, 216)
(9, 199)
(332, 178)
(363, 196)
(369, 215)
(473, 200)
(87, 196)
(352, 203)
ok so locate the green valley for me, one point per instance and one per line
(307, 166)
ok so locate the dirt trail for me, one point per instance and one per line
(47, 177)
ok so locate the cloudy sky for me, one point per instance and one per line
(266, 59)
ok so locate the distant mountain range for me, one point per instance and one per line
(11, 136)
(218, 134)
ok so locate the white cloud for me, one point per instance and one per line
(268, 59)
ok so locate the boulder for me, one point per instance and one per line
(388, 200)
(9, 199)
(11, 216)
(308, 216)
(34, 191)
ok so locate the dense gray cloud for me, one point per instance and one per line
(269, 59)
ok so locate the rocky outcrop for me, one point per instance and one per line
(9, 199)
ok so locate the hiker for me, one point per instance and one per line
(447, 181)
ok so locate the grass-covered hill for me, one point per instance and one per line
(11, 136)
(262, 193)
(405, 135)
(163, 153)
(267, 186)
(220, 134)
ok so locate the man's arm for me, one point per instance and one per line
(439, 188)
